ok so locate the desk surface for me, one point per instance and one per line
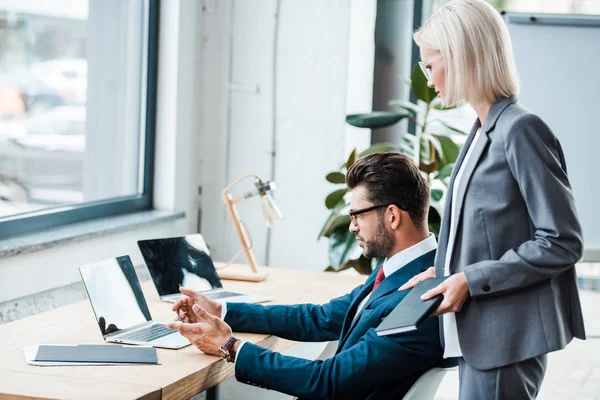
(181, 374)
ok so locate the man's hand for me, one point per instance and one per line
(429, 273)
(455, 290)
(183, 307)
(207, 334)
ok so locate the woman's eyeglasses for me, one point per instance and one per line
(425, 66)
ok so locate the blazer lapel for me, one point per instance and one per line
(389, 284)
(445, 227)
(367, 288)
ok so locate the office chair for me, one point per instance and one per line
(427, 385)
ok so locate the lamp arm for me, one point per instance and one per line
(235, 182)
(240, 229)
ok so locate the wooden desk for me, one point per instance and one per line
(182, 373)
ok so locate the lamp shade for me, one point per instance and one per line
(270, 211)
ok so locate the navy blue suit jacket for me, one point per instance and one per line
(365, 365)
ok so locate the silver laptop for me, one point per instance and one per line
(120, 307)
(185, 261)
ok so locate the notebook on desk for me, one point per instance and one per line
(120, 308)
(91, 354)
(185, 261)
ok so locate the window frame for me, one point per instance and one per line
(31, 222)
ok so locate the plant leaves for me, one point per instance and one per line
(419, 85)
(375, 119)
(336, 177)
(453, 128)
(436, 194)
(351, 160)
(337, 219)
(449, 148)
(382, 147)
(434, 221)
(445, 171)
(341, 243)
(406, 105)
(362, 265)
(335, 197)
(437, 104)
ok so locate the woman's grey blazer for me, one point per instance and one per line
(517, 239)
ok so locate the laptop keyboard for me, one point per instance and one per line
(220, 295)
(149, 334)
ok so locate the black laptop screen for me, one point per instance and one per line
(115, 293)
(179, 261)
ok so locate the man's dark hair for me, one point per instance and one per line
(392, 178)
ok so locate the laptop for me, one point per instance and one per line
(120, 307)
(185, 261)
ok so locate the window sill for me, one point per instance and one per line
(84, 230)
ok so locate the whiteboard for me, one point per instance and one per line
(558, 60)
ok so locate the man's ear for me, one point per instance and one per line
(395, 217)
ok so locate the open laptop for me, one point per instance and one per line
(120, 307)
(185, 261)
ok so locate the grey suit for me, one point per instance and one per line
(517, 239)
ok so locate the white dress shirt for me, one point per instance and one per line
(399, 260)
(451, 344)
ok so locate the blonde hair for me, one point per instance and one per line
(476, 49)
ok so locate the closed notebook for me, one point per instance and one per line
(97, 353)
(411, 312)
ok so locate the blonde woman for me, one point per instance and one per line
(510, 234)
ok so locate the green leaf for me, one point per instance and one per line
(434, 221)
(382, 147)
(362, 265)
(419, 86)
(376, 119)
(341, 244)
(336, 177)
(453, 128)
(437, 104)
(445, 171)
(406, 105)
(351, 160)
(436, 194)
(335, 197)
(449, 148)
(337, 219)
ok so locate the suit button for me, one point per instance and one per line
(486, 288)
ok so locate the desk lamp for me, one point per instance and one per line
(271, 215)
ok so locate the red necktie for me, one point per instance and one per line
(380, 277)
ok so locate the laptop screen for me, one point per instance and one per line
(179, 261)
(115, 293)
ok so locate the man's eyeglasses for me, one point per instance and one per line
(425, 64)
(354, 213)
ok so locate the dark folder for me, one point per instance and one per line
(411, 312)
(97, 353)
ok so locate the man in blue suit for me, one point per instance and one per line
(390, 203)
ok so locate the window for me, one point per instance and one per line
(77, 96)
(541, 6)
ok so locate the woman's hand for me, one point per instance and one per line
(429, 273)
(455, 290)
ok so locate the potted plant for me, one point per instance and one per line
(435, 154)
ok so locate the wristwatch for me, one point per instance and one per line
(226, 350)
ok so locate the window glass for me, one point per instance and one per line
(72, 77)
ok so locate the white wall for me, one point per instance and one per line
(275, 95)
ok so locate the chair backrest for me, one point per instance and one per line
(427, 385)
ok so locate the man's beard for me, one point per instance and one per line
(382, 245)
